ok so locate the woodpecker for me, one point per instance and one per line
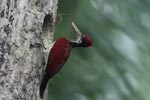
(59, 54)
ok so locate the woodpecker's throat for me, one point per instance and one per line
(80, 43)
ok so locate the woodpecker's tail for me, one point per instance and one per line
(43, 85)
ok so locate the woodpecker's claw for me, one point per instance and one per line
(79, 36)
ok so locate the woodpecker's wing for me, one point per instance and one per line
(58, 56)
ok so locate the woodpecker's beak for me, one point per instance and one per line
(76, 29)
(79, 35)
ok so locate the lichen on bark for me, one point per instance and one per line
(24, 46)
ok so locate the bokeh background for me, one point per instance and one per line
(117, 67)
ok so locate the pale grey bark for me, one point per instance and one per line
(24, 46)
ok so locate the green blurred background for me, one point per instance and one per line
(117, 67)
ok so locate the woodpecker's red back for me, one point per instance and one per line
(58, 56)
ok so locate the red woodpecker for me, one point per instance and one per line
(59, 54)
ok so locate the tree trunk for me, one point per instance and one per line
(26, 34)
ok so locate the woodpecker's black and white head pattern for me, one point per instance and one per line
(83, 40)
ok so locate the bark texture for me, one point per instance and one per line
(25, 40)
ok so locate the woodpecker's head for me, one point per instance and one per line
(83, 40)
(86, 41)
